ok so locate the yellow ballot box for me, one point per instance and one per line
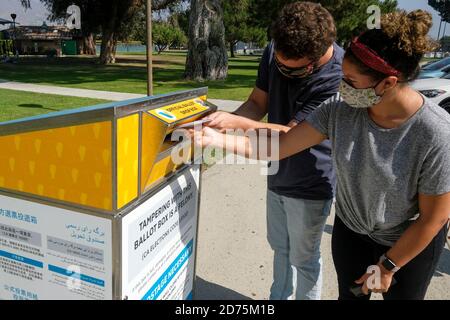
(94, 205)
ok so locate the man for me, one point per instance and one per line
(299, 70)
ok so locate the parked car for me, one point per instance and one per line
(437, 90)
(436, 69)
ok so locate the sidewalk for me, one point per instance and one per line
(234, 258)
(63, 91)
(226, 105)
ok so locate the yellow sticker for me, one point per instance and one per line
(180, 111)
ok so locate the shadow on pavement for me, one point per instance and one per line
(328, 229)
(205, 290)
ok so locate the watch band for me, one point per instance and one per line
(388, 264)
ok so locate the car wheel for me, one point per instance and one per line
(446, 106)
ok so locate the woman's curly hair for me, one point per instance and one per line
(402, 41)
(303, 30)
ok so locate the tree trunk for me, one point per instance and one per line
(108, 48)
(109, 41)
(88, 45)
(232, 50)
(207, 52)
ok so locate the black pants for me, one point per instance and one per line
(353, 253)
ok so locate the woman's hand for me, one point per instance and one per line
(208, 137)
(372, 284)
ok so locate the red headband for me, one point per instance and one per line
(371, 59)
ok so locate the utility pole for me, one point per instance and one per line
(439, 33)
(149, 49)
(16, 51)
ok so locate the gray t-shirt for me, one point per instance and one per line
(380, 172)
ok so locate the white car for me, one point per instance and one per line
(436, 89)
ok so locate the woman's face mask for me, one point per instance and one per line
(359, 98)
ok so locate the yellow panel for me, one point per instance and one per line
(181, 110)
(160, 170)
(153, 135)
(71, 164)
(127, 159)
(163, 168)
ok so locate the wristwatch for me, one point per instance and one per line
(388, 264)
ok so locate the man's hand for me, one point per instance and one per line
(224, 120)
(382, 285)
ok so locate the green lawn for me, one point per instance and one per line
(19, 104)
(430, 59)
(129, 74)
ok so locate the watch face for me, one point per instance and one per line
(388, 264)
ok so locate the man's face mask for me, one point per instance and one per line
(359, 98)
(294, 73)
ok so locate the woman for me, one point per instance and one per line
(392, 157)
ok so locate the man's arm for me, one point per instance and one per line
(248, 116)
(256, 107)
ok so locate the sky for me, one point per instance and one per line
(38, 13)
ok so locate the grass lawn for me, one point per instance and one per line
(19, 104)
(129, 74)
(430, 59)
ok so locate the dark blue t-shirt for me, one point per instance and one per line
(309, 174)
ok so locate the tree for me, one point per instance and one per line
(25, 3)
(115, 15)
(238, 26)
(182, 20)
(207, 54)
(109, 17)
(445, 44)
(443, 7)
(235, 18)
(166, 35)
(89, 23)
(350, 15)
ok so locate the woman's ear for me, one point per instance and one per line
(389, 83)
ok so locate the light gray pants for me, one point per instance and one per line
(294, 231)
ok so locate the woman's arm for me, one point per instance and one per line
(434, 214)
(262, 144)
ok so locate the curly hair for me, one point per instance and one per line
(402, 41)
(303, 30)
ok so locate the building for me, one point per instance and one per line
(44, 40)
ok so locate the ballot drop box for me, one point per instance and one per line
(93, 205)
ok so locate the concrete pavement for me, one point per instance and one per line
(63, 91)
(226, 105)
(234, 258)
